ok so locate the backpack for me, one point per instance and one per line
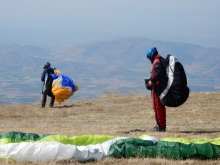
(176, 92)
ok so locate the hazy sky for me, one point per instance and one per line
(60, 23)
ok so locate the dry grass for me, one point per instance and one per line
(117, 114)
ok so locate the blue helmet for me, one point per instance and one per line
(150, 52)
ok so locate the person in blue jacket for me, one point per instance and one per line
(47, 80)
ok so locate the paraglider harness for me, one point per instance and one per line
(174, 90)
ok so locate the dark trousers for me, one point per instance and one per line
(44, 100)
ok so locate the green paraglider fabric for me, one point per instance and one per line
(215, 141)
(97, 147)
(164, 149)
(16, 137)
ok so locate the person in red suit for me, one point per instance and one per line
(155, 83)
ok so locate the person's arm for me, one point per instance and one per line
(158, 74)
(43, 75)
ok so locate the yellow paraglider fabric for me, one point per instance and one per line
(63, 87)
(57, 72)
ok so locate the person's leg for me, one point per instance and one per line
(44, 100)
(160, 112)
(52, 101)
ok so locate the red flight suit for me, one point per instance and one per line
(159, 109)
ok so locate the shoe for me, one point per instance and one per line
(42, 106)
(158, 129)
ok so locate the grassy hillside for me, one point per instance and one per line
(117, 114)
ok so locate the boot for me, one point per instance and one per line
(158, 129)
(43, 105)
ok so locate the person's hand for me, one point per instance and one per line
(149, 83)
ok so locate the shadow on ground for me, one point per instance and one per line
(67, 106)
(198, 132)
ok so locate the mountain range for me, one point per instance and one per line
(102, 66)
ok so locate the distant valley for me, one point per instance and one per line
(101, 67)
